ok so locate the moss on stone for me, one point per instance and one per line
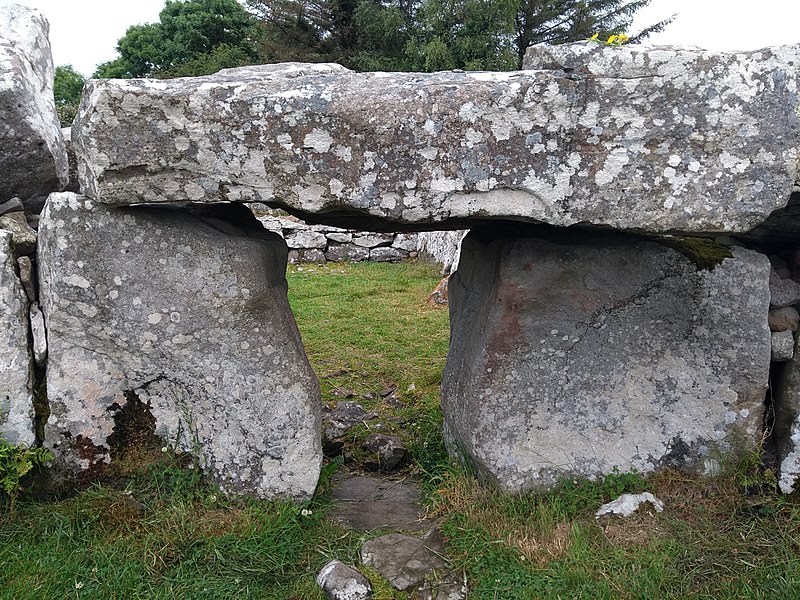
(705, 253)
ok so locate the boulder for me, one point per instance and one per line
(181, 317)
(346, 253)
(33, 160)
(387, 254)
(16, 368)
(577, 354)
(784, 319)
(23, 237)
(647, 138)
(306, 239)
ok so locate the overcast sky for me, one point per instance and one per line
(85, 32)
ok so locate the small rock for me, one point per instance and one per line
(39, 335)
(452, 586)
(784, 319)
(346, 253)
(341, 238)
(389, 451)
(13, 205)
(388, 390)
(340, 582)
(387, 254)
(627, 504)
(343, 393)
(405, 241)
(405, 561)
(303, 239)
(23, 238)
(783, 292)
(782, 346)
(394, 401)
(373, 240)
(439, 294)
(337, 421)
(313, 256)
(26, 277)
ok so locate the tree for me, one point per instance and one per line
(67, 89)
(192, 37)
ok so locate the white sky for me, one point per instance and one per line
(85, 32)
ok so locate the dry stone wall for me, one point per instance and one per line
(590, 330)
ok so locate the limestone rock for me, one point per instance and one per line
(186, 314)
(373, 240)
(312, 255)
(405, 560)
(645, 138)
(388, 452)
(783, 292)
(16, 374)
(346, 415)
(39, 335)
(340, 582)
(306, 239)
(23, 237)
(573, 354)
(627, 504)
(443, 247)
(405, 241)
(368, 503)
(73, 185)
(784, 319)
(786, 403)
(26, 277)
(346, 253)
(13, 205)
(342, 238)
(782, 346)
(33, 161)
(387, 254)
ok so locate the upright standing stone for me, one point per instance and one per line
(16, 397)
(33, 160)
(576, 354)
(186, 318)
(786, 433)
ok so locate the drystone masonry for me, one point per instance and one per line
(629, 287)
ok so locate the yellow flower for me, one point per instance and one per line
(595, 36)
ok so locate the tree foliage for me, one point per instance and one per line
(67, 89)
(192, 37)
(196, 37)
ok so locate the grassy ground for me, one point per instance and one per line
(165, 533)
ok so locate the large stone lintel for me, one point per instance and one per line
(652, 139)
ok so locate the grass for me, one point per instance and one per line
(161, 531)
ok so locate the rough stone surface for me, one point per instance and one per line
(575, 354)
(346, 253)
(782, 346)
(26, 277)
(368, 503)
(443, 247)
(39, 335)
(404, 560)
(13, 205)
(784, 319)
(373, 240)
(23, 237)
(783, 292)
(73, 185)
(346, 415)
(388, 452)
(786, 432)
(16, 374)
(627, 504)
(340, 582)
(646, 138)
(452, 586)
(387, 254)
(184, 315)
(33, 161)
(306, 239)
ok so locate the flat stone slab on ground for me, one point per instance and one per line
(405, 560)
(367, 503)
